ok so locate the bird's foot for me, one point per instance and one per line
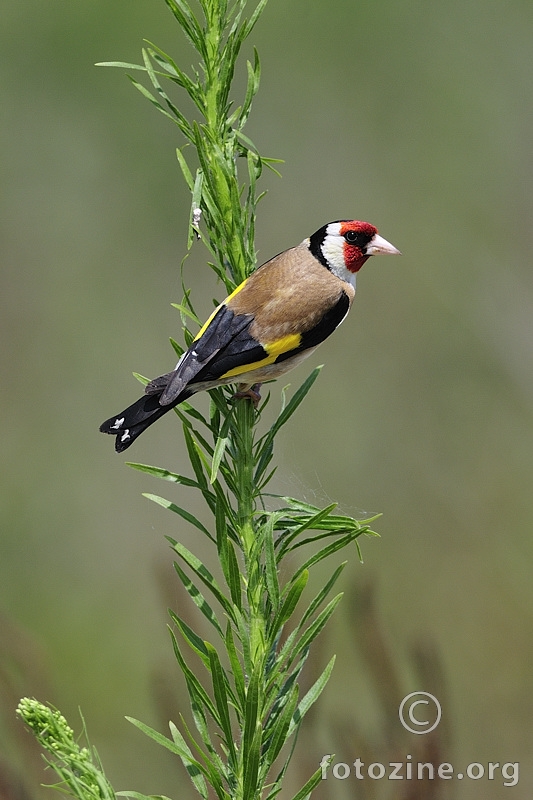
(250, 392)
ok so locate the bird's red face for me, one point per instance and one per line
(357, 235)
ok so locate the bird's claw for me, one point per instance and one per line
(251, 393)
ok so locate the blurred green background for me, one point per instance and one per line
(415, 116)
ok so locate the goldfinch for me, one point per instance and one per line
(269, 324)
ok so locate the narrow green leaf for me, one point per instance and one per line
(251, 764)
(203, 573)
(194, 458)
(234, 576)
(121, 64)
(163, 59)
(266, 480)
(184, 125)
(222, 534)
(198, 599)
(189, 24)
(203, 443)
(193, 640)
(322, 594)
(266, 454)
(310, 522)
(218, 455)
(152, 99)
(200, 721)
(328, 534)
(236, 668)
(251, 711)
(268, 162)
(277, 783)
(185, 311)
(271, 571)
(185, 168)
(196, 463)
(215, 769)
(343, 521)
(260, 7)
(219, 400)
(139, 795)
(200, 441)
(178, 349)
(316, 627)
(187, 408)
(176, 75)
(280, 732)
(327, 551)
(180, 511)
(299, 505)
(229, 513)
(289, 604)
(214, 417)
(190, 763)
(226, 553)
(307, 788)
(278, 665)
(169, 744)
(312, 695)
(164, 474)
(277, 695)
(141, 378)
(244, 638)
(221, 699)
(254, 73)
(198, 696)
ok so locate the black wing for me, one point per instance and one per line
(225, 344)
(329, 322)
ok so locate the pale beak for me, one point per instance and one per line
(380, 246)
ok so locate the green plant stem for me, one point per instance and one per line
(253, 575)
(249, 706)
(254, 581)
(244, 463)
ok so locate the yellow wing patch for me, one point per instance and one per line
(283, 345)
(274, 349)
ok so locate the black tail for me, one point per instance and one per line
(135, 419)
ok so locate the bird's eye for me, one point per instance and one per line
(353, 237)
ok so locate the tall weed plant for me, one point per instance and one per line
(246, 704)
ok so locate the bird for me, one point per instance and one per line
(269, 324)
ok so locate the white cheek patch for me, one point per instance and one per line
(333, 251)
